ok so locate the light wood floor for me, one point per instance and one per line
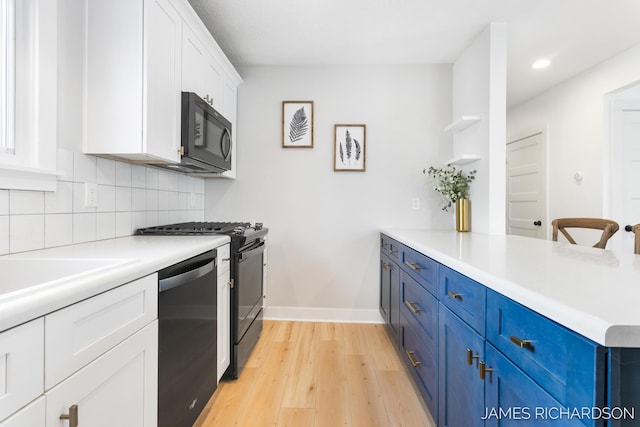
(304, 374)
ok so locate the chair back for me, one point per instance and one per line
(636, 247)
(607, 226)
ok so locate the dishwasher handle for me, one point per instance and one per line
(186, 271)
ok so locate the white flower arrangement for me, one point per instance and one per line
(451, 183)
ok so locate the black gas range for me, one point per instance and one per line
(247, 288)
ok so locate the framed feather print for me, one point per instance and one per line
(349, 150)
(297, 124)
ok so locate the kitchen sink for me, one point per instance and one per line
(22, 273)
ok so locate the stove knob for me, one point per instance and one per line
(258, 226)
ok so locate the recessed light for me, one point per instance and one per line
(541, 63)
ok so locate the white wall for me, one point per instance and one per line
(479, 88)
(324, 225)
(573, 112)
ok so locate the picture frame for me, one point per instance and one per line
(297, 124)
(349, 148)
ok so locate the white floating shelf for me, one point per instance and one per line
(462, 123)
(463, 160)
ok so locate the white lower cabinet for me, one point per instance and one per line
(30, 416)
(224, 309)
(21, 366)
(118, 388)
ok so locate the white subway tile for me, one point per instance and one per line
(84, 227)
(26, 233)
(61, 200)
(138, 176)
(152, 218)
(139, 220)
(123, 174)
(4, 234)
(124, 224)
(138, 199)
(153, 178)
(58, 230)
(106, 198)
(106, 225)
(4, 202)
(123, 199)
(106, 171)
(26, 202)
(164, 217)
(152, 200)
(163, 200)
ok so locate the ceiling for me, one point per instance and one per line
(573, 34)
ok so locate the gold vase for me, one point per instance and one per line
(463, 215)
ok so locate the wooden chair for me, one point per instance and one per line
(607, 226)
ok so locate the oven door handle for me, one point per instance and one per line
(184, 278)
(255, 250)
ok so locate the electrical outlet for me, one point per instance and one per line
(90, 195)
(415, 203)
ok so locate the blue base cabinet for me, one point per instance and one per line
(481, 359)
(461, 389)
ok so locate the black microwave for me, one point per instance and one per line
(205, 137)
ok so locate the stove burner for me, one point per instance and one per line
(188, 228)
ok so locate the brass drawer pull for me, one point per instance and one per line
(393, 251)
(413, 266)
(413, 307)
(386, 266)
(484, 370)
(522, 343)
(412, 358)
(455, 296)
(470, 356)
(72, 416)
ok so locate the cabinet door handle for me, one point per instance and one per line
(455, 296)
(484, 370)
(470, 356)
(521, 343)
(72, 416)
(385, 266)
(413, 266)
(231, 283)
(413, 307)
(412, 358)
(393, 251)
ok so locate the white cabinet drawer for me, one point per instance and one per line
(78, 334)
(21, 366)
(31, 416)
(224, 258)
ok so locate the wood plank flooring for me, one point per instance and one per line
(305, 374)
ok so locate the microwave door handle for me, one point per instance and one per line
(226, 133)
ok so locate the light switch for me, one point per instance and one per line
(90, 195)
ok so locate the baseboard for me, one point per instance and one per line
(313, 314)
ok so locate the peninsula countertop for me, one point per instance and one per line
(36, 283)
(593, 292)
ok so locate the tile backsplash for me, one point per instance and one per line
(129, 197)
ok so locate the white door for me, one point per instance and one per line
(625, 177)
(526, 186)
(117, 389)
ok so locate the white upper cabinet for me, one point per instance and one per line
(201, 73)
(132, 79)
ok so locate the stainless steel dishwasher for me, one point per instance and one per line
(187, 339)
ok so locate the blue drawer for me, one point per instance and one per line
(561, 361)
(463, 296)
(421, 311)
(422, 365)
(390, 247)
(422, 268)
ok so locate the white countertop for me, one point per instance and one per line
(110, 263)
(594, 292)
